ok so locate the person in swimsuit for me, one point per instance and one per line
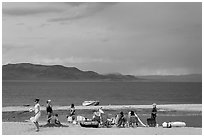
(49, 111)
(72, 112)
(37, 114)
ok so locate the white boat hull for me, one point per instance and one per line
(90, 103)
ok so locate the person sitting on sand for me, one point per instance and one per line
(49, 111)
(121, 120)
(133, 119)
(55, 120)
(37, 114)
(97, 116)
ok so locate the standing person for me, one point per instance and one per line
(152, 121)
(37, 114)
(154, 111)
(72, 112)
(49, 110)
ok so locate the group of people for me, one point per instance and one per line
(52, 119)
(120, 120)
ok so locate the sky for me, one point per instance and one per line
(128, 38)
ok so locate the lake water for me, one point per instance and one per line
(115, 93)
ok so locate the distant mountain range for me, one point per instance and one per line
(27, 71)
(34, 72)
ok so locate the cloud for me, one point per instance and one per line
(69, 60)
(81, 10)
(25, 9)
(62, 11)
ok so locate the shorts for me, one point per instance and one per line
(35, 118)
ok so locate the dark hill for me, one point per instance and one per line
(27, 71)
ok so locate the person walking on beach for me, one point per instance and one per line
(49, 111)
(37, 114)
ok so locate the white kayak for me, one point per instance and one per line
(90, 103)
(173, 124)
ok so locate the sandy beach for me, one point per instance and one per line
(14, 120)
(166, 107)
(27, 128)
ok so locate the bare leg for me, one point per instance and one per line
(37, 126)
(49, 117)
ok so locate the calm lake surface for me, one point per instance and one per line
(115, 93)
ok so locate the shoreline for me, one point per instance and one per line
(162, 107)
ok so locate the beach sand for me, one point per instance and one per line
(13, 120)
(27, 128)
(178, 107)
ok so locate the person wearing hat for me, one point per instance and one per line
(49, 111)
(154, 111)
(37, 114)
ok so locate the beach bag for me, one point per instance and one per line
(151, 122)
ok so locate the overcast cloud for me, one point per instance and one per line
(129, 38)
